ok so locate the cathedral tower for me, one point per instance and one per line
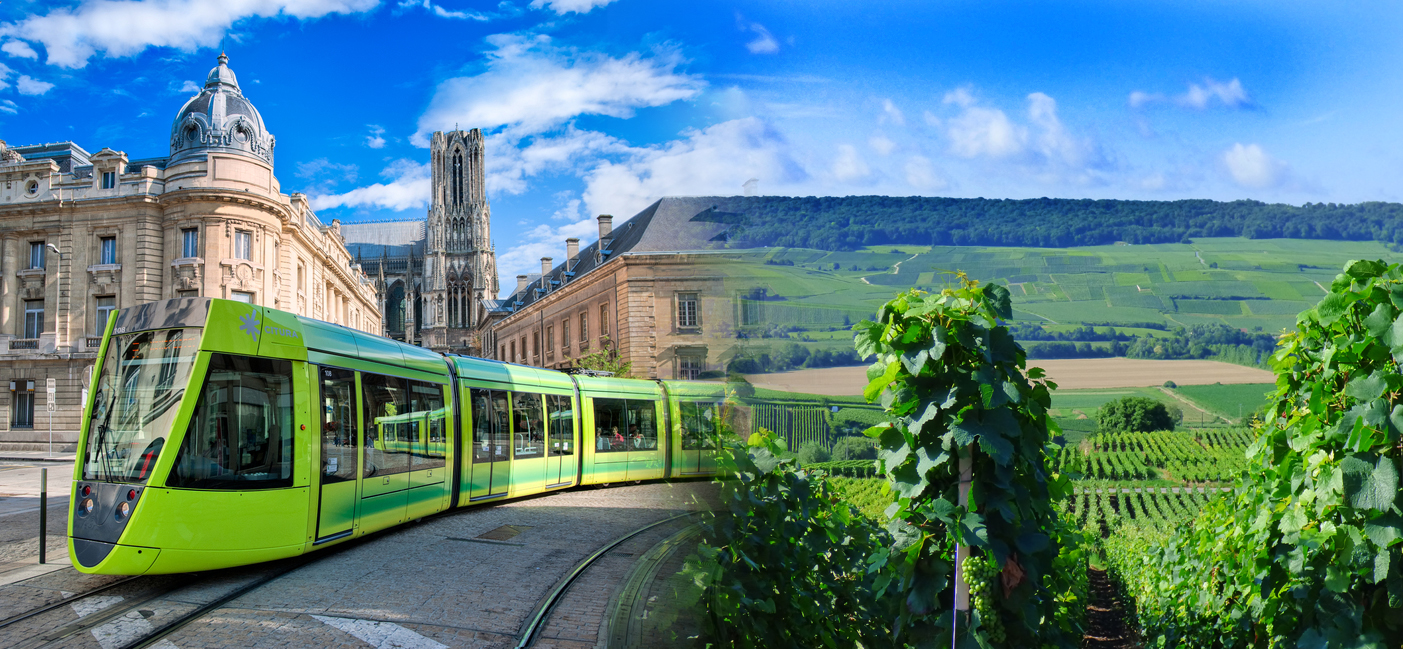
(460, 264)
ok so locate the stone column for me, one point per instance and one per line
(8, 284)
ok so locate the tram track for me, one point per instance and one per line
(538, 620)
(67, 601)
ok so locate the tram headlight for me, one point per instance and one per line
(124, 510)
(85, 507)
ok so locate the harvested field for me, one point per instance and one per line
(1072, 374)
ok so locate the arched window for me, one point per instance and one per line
(457, 178)
(394, 308)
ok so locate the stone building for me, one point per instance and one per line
(433, 276)
(83, 234)
(657, 290)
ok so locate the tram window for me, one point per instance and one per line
(241, 434)
(642, 425)
(338, 424)
(562, 425)
(528, 430)
(697, 425)
(491, 430)
(610, 425)
(389, 425)
(427, 413)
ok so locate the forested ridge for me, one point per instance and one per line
(850, 222)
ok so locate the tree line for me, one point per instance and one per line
(851, 222)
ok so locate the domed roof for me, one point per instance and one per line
(220, 119)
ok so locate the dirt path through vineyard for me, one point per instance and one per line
(1105, 616)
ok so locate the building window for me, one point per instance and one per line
(584, 326)
(243, 245)
(565, 337)
(105, 306)
(550, 342)
(32, 187)
(24, 404)
(240, 296)
(190, 243)
(108, 253)
(690, 367)
(523, 348)
(187, 294)
(33, 318)
(36, 254)
(604, 321)
(535, 347)
(512, 358)
(687, 317)
(502, 355)
(109, 179)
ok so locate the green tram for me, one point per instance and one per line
(220, 434)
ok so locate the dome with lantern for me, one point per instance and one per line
(220, 119)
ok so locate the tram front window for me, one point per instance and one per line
(240, 436)
(139, 389)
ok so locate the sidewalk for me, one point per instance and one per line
(35, 456)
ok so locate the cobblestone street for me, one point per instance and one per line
(472, 578)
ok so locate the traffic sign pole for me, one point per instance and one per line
(51, 386)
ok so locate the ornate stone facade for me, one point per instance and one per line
(433, 276)
(83, 234)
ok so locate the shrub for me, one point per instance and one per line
(1170, 384)
(1135, 414)
(854, 448)
(813, 452)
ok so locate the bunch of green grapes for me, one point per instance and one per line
(981, 575)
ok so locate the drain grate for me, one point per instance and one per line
(504, 533)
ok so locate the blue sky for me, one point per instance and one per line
(603, 106)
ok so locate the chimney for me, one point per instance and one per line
(545, 271)
(606, 225)
(520, 283)
(572, 248)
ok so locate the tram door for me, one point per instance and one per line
(560, 452)
(340, 451)
(491, 443)
(695, 434)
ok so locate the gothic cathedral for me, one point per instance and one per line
(433, 276)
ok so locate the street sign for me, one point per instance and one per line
(51, 406)
(51, 386)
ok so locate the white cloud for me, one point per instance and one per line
(881, 144)
(7, 106)
(713, 161)
(921, 174)
(509, 164)
(849, 165)
(562, 7)
(73, 35)
(189, 86)
(531, 86)
(444, 13)
(961, 97)
(931, 119)
(407, 188)
(1253, 168)
(5, 73)
(984, 132)
(375, 139)
(543, 241)
(30, 86)
(890, 113)
(19, 49)
(764, 42)
(1228, 94)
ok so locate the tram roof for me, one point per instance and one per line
(503, 372)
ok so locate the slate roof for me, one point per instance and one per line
(68, 155)
(394, 238)
(673, 224)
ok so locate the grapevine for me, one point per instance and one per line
(979, 574)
